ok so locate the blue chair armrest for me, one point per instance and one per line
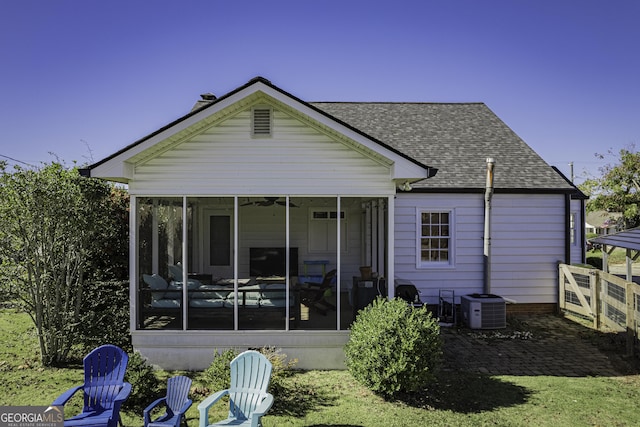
(124, 392)
(64, 397)
(147, 411)
(261, 409)
(204, 406)
(185, 407)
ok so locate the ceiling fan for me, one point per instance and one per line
(269, 201)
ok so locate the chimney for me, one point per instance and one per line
(207, 98)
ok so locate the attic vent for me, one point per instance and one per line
(261, 122)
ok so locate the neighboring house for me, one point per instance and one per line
(258, 191)
(602, 222)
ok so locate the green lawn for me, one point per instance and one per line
(326, 398)
(618, 256)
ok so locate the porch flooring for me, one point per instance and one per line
(537, 345)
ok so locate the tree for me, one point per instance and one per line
(53, 224)
(618, 189)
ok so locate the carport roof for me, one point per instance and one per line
(627, 239)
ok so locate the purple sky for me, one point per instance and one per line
(83, 79)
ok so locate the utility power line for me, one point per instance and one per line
(16, 160)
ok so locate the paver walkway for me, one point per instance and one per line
(531, 345)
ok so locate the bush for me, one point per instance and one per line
(218, 375)
(394, 348)
(104, 303)
(595, 261)
(281, 369)
(144, 383)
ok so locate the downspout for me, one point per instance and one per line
(488, 194)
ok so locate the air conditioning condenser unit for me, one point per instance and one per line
(483, 311)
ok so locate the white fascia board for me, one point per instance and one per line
(120, 167)
(116, 171)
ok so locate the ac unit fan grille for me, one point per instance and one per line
(483, 312)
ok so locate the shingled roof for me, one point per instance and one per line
(455, 138)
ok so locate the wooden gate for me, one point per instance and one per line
(609, 301)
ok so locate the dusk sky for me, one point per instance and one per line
(83, 79)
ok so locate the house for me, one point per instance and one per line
(602, 222)
(259, 193)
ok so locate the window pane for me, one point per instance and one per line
(435, 233)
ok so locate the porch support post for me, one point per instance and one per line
(235, 263)
(134, 312)
(391, 257)
(338, 261)
(382, 240)
(287, 278)
(185, 265)
(155, 244)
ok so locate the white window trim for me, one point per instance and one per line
(452, 242)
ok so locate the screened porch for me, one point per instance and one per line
(257, 263)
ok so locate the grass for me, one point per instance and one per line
(333, 398)
(618, 256)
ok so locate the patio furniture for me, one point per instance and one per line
(176, 403)
(163, 295)
(265, 298)
(409, 293)
(314, 294)
(104, 388)
(248, 396)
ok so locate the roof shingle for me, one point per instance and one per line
(455, 138)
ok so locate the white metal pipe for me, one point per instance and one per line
(488, 195)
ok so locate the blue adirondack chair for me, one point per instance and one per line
(175, 403)
(248, 397)
(104, 388)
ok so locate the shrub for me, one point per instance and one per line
(218, 375)
(282, 368)
(144, 383)
(394, 348)
(595, 261)
(105, 303)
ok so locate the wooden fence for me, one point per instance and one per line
(612, 303)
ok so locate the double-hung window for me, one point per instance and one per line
(435, 234)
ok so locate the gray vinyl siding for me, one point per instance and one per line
(527, 242)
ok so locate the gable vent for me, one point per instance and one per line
(261, 121)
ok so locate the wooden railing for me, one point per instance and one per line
(611, 302)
